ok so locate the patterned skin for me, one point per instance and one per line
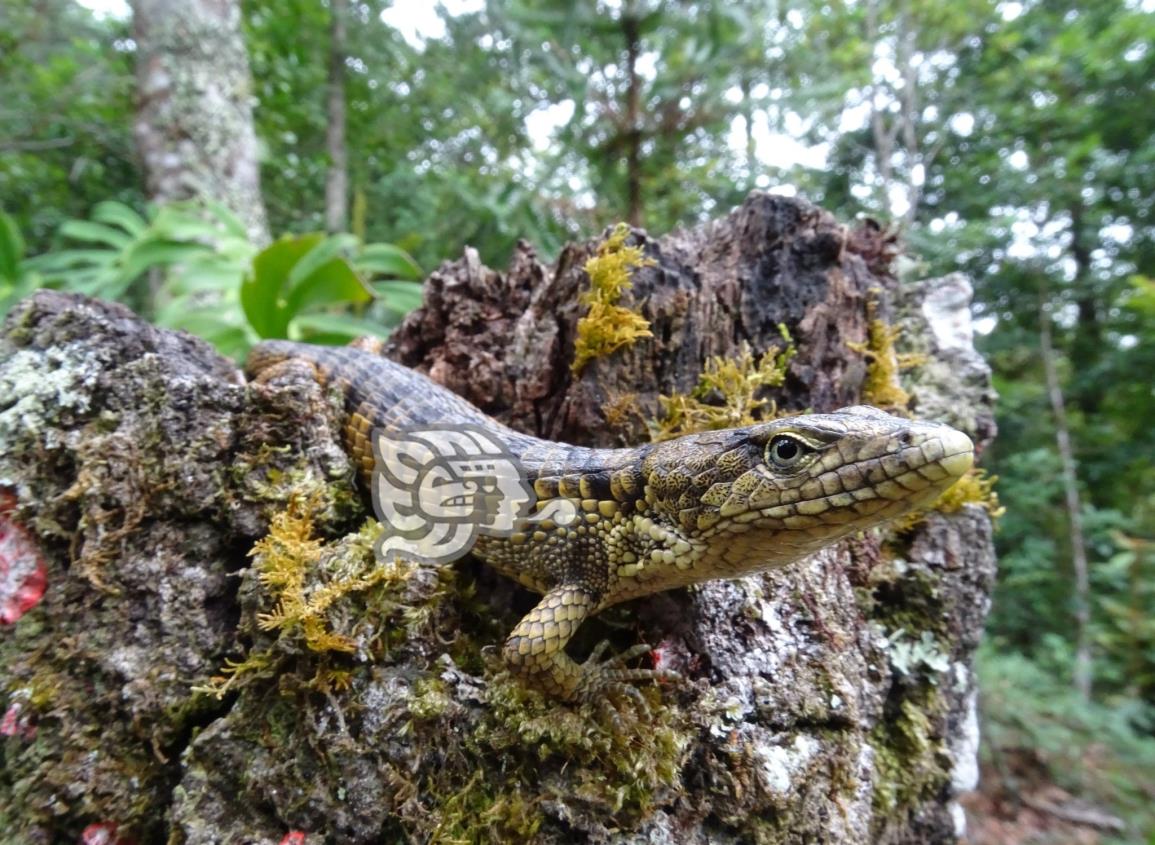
(722, 504)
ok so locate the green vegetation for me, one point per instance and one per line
(730, 392)
(216, 283)
(608, 326)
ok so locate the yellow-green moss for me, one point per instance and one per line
(883, 364)
(609, 326)
(728, 393)
(491, 786)
(305, 583)
(907, 759)
(975, 487)
(285, 557)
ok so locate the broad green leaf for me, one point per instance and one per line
(336, 328)
(401, 297)
(331, 284)
(119, 214)
(319, 256)
(263, 292)
(388, 260)
(11, 248)
(86, 230)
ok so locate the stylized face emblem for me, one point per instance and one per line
(435, 489)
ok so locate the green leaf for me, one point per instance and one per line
(294, 275)
(86, 230)
(211, 274)
(263, 294)
(183, 223)
(334, 283)
(144, 256)
(230, 221)
(401, 297)
(120, 215)
(319, 256)
(11, 248)
(388, 260)
(68, 259)
(336, 328)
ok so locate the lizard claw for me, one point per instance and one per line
(602, 679)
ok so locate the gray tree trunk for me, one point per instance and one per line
(832, 701)
(337, 177)
(194, 122)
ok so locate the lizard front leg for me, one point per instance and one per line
(536, 650)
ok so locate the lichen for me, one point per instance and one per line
(609, 326)
(729, 393)
(883, 364)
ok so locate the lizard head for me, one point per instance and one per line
(767, 494)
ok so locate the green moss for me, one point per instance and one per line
(975, 487)
(326, 600)
(609, 326)
(729, 393)
(495, 777)
(910, 768)
(883, 364)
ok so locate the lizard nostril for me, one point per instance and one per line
(904, 438)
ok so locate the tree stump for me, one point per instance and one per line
(832, 701)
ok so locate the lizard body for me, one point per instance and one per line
(720, 504)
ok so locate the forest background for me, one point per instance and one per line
(207, 162)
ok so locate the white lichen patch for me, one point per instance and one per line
(779, 766)
(35, 385)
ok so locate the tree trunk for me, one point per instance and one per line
(634, 206)
(832, 701)
(1074, 507)
(337, 178)
(194, 123)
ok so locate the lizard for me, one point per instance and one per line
(718, 504)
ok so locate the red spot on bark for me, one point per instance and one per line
(16, 722)
(102, 833)
(23, 575)
(669, 656)
(293, 837)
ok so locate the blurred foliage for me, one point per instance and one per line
(66, 115)
(192, 266)
(1102, 752)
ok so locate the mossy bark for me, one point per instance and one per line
(828, 702)
(194, 123)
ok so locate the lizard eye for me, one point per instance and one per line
(785, 452)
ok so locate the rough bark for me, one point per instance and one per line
(829, 702)
(337, 176)
(633, 132)
(194, 123)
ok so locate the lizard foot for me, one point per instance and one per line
(603, 679)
